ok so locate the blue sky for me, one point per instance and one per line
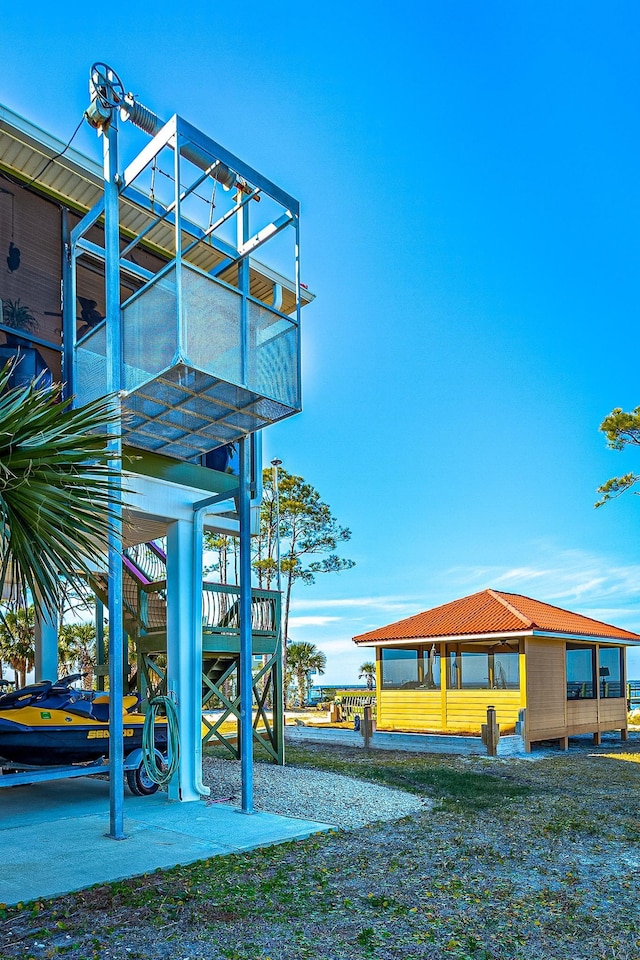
(469, 176)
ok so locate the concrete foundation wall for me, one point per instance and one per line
(510, 746)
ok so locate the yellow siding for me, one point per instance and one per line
(415, 710)
(522, 658)
(467, 709)
(409, 710)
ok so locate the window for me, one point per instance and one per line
(506, 670)
(418, 668)
(474, 671)
(610, 672)
(580, 672)
(399, 668)
(431, 668)
(484, 669)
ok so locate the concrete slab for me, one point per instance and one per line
(53, 836)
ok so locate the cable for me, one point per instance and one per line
(55, 157)
(160, 773)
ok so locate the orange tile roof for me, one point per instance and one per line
(494, 612)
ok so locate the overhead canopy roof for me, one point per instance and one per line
(494, 613)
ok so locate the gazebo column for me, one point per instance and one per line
(444, 666)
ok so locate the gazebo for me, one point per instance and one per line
(562, 672)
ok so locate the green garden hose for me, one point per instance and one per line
(159, 772)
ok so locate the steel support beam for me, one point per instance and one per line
(46, 637)
(246, 682)
(184, 659)
(114, 382)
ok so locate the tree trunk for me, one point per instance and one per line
(86, 667)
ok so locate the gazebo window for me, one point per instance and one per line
(417, 668)
(486, 668)
(430, 667)
(610, 672)
(581, 668)
(506, 670)
(399, 668)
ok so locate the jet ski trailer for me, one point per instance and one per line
(51, 731)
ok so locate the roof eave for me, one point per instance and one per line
(471, 637)
(589, 637)
(448, 638)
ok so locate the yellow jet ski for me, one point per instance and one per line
(51, 723)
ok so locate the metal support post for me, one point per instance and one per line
(46, 636)
(246, 645)
(200, 510)
(99, 624)
(281, 673)
(184, 657)
(247, 353)
(276, 463)
(114, 381)
(68, 307)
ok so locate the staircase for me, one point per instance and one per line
(145, 621)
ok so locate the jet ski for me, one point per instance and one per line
(51, 723)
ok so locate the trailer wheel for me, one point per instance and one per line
(139, 782)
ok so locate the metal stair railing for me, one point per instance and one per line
(221, 610)
(149, 559)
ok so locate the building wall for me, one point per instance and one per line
(412, 710)
(464, 710)
(467, 709)
(546, 688)
(34, 226)
(549, 714)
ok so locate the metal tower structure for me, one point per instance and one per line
(200, 344)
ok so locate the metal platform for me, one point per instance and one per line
(210, 344)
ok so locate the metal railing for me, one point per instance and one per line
(352, 706)
(149, 559)
(220, 608)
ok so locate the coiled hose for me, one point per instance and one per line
(158, 771)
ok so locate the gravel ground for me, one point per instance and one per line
(312, 794)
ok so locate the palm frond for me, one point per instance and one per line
(58, 488)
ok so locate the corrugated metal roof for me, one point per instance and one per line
(494, 612)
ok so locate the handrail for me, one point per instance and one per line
(149, 560)
(220, 608)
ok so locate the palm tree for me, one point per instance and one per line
(57, 488)
(17, 640)
(77, 648)
(368, 670)
(303, 659)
